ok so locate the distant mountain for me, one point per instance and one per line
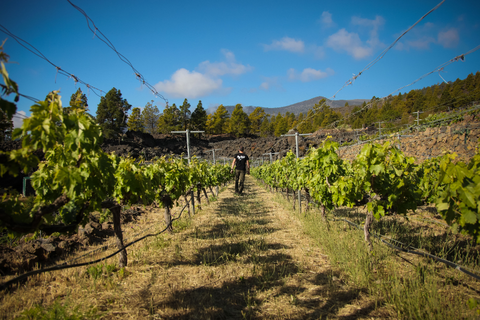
(295, 108)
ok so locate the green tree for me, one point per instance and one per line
(446, 99)
(239, 122)
(280, 125)
(256, 119)
(7, 108)
(112, 113)
(185, 114)
(198, 121)
(150, 115)
(6, 127)
(169, 120)
(78, 100)
(265, 127)
(218, 120)
(135, 122)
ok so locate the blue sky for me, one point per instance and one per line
(259, 53)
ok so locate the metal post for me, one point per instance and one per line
(380, 128)
(187, 132)
(25, 185)
(297, 154)
(418, 117)
(214, 162)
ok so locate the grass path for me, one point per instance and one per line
(241, 257)
(248, 258)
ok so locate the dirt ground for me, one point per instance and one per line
(241, 257)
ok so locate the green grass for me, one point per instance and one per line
(420, 289)
(59, 311)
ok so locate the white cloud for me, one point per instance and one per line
(309, 74)
(326, 19)
(374, 25)
(422, 43)
(448, 38)
(350, 43)
(204, 80)
(423, 36)
(265, 85)
(189, 84)
(287, 44)
(18, 118)
(318, 52)
(268, 84)
(223, 68)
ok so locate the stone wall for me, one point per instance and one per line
(461, 138)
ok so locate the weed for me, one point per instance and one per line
(95, 272)
(58, 311)
(181, 224)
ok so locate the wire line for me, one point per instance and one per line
(105, 40)
(39, 54)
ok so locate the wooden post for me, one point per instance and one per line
(187, 204)
(167, 202)
(366, 230)
(198, 198)
(206, 196)
(211, 190)
(117, 229)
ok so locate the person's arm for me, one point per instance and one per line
(233, 163)
(248, 164)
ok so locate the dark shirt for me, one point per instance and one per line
(240, 161)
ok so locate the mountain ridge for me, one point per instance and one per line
(296, 108)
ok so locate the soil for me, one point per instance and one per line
(27, 254)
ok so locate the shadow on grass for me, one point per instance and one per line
(239, 299)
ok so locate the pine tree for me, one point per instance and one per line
(169, 120)
(446, 100)
(280, 125)
(239, 122)
(265, 127)
(198, 121)
(150, 115)
(185, 114)
(210, 128)
(112, 113)
(135, 122)
(256, 119)
(219, 119)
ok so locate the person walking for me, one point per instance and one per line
(242, 165)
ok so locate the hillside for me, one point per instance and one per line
(296, 108)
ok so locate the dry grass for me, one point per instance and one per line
(239, 258)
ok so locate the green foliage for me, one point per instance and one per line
(78, 100)
(280, 125)
(7, 108)
(239, 122)
(458, 197)
(216, 123)
(257, 118)
(150, 116)
(135, 122)
(112, 113)
(75, 167)
(386, 180)
(198, 121)
(185, 113)
(169, 120)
